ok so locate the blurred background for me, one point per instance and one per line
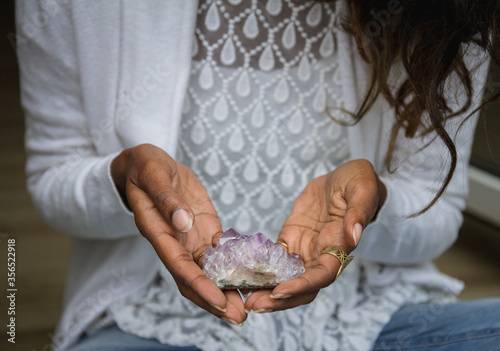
(42, 253)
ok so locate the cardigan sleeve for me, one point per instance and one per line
(421, 164)
(70, 184)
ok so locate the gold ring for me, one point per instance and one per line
(283, 244)
(197, 260)
(341, 256)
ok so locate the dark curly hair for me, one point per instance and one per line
(428, 37)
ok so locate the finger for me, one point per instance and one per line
(262, 302)
(218, 233)
(199, 254)
(235, 303)
(205, 233)
(254, 297)
(300, 240)
(148, 217)
(289, 237)
(233, 313)
(362, 202)
(181, 265)
(176, 259)
(315, 277)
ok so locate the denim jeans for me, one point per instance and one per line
(472, 325)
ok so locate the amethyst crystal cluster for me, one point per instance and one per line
(243, 261)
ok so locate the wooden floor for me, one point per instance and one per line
(42, 253)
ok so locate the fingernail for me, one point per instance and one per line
(230, 321)
(182, 220)
(280, 296)
(356, 233)
(264, 310)
(218, 308)
(248, 311)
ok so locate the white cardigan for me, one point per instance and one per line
(101, 76)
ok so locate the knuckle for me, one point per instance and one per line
(144, 172)
(151, 166)
(165, 199)
(307, 282)
(179, 261)
(364, 213)
(368, 184)
(364, 163)
(197, 281)
(143, 147)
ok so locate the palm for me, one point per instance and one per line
(156, 189)
(323, 215)
(314, 225)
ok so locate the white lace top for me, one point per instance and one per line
(255, 131)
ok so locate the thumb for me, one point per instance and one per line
(171, 204)
(182, 220)
(362, 201)
(158, 184)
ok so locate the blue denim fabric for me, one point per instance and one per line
(472, 325)
(113, 339)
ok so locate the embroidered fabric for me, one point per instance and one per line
(347, 315)
(255, 131)
(255, 128)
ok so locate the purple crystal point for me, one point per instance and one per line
(243, 261)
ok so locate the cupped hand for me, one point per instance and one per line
(174, 213)
(331, 211)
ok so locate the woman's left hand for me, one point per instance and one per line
(331, 211)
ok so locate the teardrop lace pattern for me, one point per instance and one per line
(255, 128)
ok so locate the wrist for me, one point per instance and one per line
(382, 196)
(119, 170)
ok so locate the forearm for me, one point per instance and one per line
(80, 199)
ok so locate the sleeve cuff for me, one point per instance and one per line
(116, 219)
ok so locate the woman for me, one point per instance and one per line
(176, 120)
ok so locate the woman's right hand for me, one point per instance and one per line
(173, 211)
